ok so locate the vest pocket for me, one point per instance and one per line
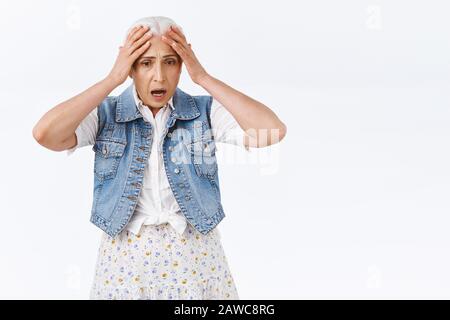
(203, 156)
(107, 158)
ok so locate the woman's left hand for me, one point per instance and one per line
(174, 38)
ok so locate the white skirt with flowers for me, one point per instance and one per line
(160, 264)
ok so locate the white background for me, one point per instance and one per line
(353, 203)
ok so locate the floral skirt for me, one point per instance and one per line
(158, 264)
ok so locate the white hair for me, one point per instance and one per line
(158, 25)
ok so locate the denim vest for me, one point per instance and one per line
(122, 148)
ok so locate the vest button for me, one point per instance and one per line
(173, 159)
(169, 134)
(187, 197)
(176, 170)
(170, 148)
(104, 150)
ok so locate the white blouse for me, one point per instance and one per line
(156, 202)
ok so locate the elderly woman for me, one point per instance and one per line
(156, 190)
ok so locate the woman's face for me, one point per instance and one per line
(157, 68)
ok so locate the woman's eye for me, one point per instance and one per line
(147, 63)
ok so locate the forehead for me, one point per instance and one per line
(159, 48)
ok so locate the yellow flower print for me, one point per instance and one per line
(129, 240)
(194, 272)
(120, 280)
(184, 281)
(113, 241)
(213, 269)
(148, 253)
(175, 263)
(137, 279)
(164, 275)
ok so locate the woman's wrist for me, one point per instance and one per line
(201, 79)
(111, 82)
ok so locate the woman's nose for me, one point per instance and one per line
(159, 72)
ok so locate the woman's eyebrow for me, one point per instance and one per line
(152, 57)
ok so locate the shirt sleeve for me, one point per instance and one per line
(224, 126)
(86, 131)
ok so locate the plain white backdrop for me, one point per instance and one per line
(353, 203)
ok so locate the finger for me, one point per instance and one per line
(137, 35)
(171, 42)
(177, 37)
(178, 32)
(133, 30)
(180, 50)
(137, 53)
(140, 42)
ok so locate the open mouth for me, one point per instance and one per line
(159, 93)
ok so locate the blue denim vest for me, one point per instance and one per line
(122, 148)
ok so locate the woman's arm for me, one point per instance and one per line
(56, 129)
(261, 124)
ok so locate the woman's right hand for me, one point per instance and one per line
(137, 43)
